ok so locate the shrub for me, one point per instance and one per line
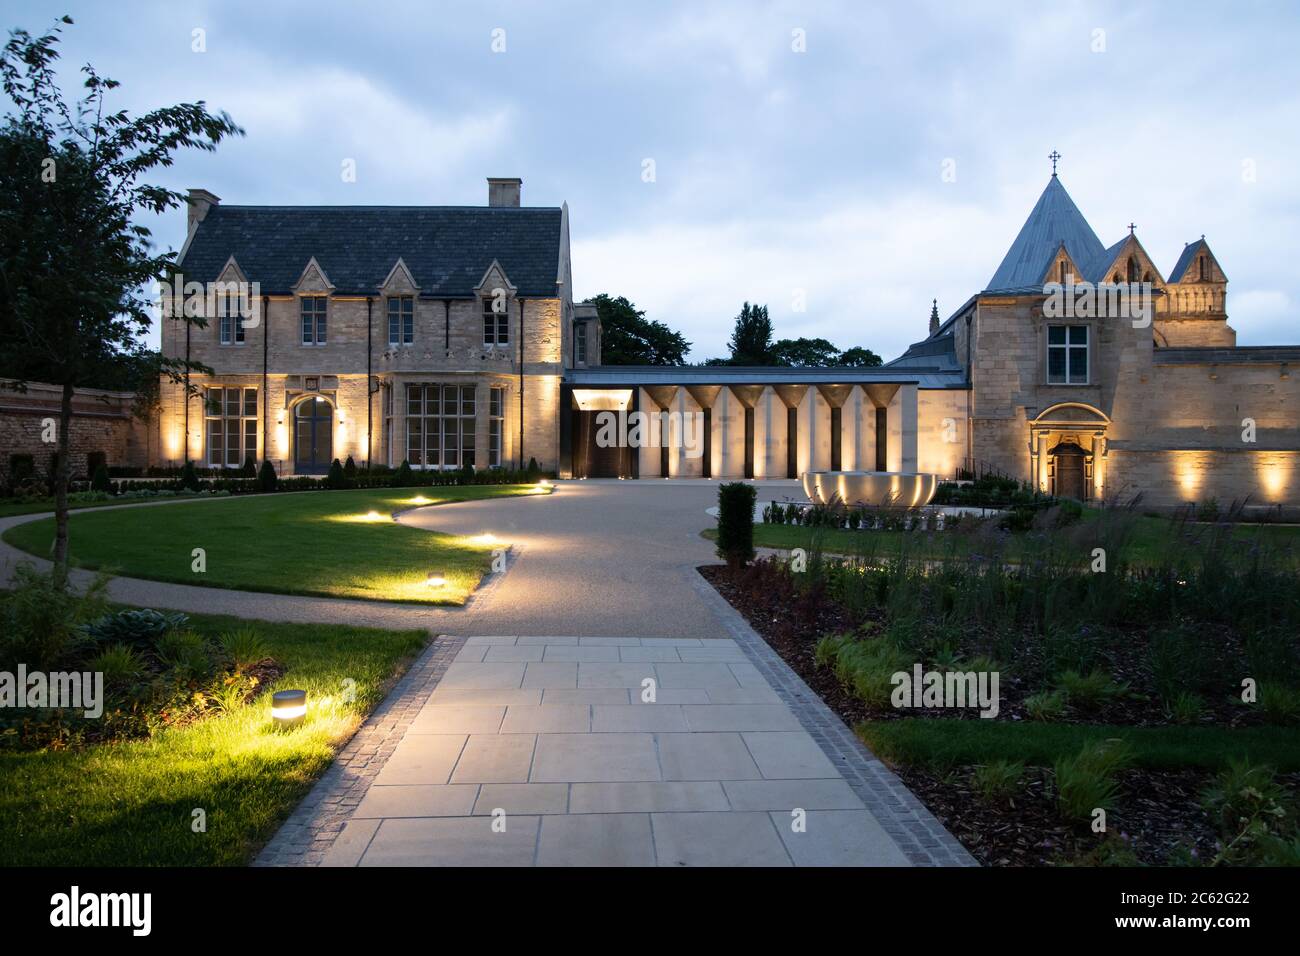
(22, 467)
(242, 647)
(266, 477)
(336, 479)
(189, 479)
(1045, 706)
(184, 652)
(1086, 782)
(868, 668)
(350, 469)
(1240, 793)
(40, 621)
(101, 481)
(120, 664)
(1088, 691)
(736, 523)
(139, 628)
(534, 470)
(404, 477)
(1185, 708)
(1279, 704)
(827, 648)
(998, 780)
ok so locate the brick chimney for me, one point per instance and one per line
(198, 202)
(503, 191)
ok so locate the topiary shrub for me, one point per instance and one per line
(736, 523)
(534, 470)
(101, 481)
(335, 478)
(250, 468)
(266, 477)
(404, 477)
(350, 469)
(189, 477)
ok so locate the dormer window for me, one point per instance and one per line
(230, 322)
(496, 320)
(401, 319)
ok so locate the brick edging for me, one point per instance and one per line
(309, 832)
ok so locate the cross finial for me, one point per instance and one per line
(1054, 156)
(1131, 227)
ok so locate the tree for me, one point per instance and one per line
(74, 265)
(858, 357)
(629, 338)
(807, 353)
(751, 339)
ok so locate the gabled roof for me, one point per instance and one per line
(1185, 261)
(447, 249)
(1054, 220)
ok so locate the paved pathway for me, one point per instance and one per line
(658, 729)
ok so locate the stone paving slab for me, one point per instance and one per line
(479, 770)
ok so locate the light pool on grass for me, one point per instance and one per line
(133, 803)
(327, 544)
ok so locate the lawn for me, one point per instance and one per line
(133, 803)
(1152, 536)
(939, 743)
(10, 507)
(327, 543)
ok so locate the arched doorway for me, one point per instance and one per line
(1069, 471)
(313, 437)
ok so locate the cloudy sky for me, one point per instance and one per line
(798, 151)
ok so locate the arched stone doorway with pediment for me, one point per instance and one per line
(1067, 450)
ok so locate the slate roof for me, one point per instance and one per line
(446, 248)
(1055, 219)
(615, 376)
(1188, 257)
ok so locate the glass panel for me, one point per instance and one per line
(414, 435)
(433, 400)
(413, 393)
(1078, 365)
(225, 330)
(250, 401)
(392, 321)
(232, 402)
(250, 439)
(467, 441)
(320, 323)
(467, 399)
(214, 442)
(232, 442)
(323, 451)
(450, 443)
(1078, 335)
(302, 441)
(435, 442)
(1056, 335)
(1056, 365)
(503, 328)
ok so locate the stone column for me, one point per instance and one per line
(902, 429)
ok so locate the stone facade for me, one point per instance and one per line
(103, 424)
(368, 375)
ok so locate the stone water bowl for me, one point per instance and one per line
(876, 488)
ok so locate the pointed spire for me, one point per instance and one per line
(934, 317)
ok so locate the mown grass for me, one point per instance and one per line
(133, 803)
(326, 543)
(938, 743)
(1150, 539)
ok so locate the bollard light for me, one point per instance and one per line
(288, 708)
(436, 579)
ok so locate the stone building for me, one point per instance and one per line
(436, 335)
(447, 336)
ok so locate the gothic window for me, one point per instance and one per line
(313, 319)
(401, 320)
(1132, 269)
(496, 320)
